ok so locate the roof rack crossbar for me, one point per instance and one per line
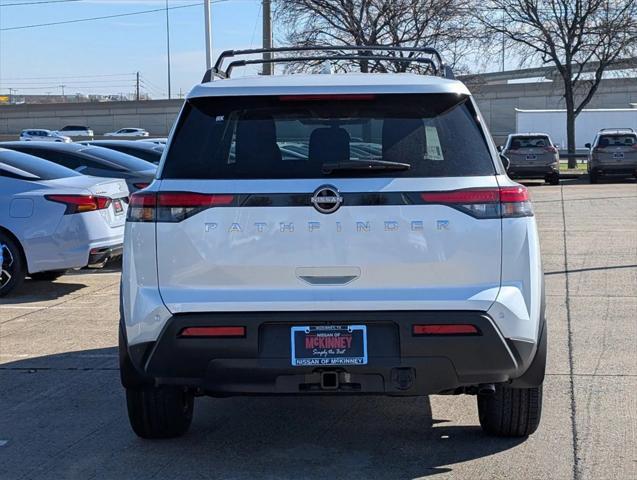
(435, 60)
(243, 63)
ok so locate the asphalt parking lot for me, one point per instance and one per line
(63, 412)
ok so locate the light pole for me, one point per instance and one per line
(206, 10)
(168, 47)
(267, 35)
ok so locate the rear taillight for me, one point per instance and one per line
(141, 207)
(80, 203)
(550, 149)
(503, 202)
(446, 329)
(172, 206)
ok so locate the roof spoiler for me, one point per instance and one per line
(422, 55)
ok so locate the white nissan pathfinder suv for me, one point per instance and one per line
(342, 234)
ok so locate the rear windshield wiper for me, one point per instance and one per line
(366, 165)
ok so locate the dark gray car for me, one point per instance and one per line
(91, 160)
(614, 152)
(532, 155)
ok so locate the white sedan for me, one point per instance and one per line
(42, 135)
(54, 219)
(128, 132)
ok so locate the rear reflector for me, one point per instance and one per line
(80, 203)
(213, 332)
(449, 329)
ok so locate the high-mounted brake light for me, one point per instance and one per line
(80, 203)
(141, 185)
(321, 98)
(502, 202)
(446, 329)
(172, 206)
(227, 332)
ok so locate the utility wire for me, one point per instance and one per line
(56, 77)
(104, 17)
(37, 3)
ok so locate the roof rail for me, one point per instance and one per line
(434, 59)
(619, 129)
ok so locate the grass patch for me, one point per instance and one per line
(580, 166)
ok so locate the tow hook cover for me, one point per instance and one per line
(403, 378)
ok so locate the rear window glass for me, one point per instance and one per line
(530, 142)
(121, 160)
(34, 167)
(435, 135)
(617, 140)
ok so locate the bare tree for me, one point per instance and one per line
(442, 24)
(581, 38)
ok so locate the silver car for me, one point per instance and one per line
(614, 152)
(532, 155)
(42, 135)
(53, 219)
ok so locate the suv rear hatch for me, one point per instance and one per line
(345, 202)
(531, 151)
(617, 149)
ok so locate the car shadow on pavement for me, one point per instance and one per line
(32, 291)
(79, 415)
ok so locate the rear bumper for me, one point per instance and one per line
(539, 171)
(614, 169)
(399, 362)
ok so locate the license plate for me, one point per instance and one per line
(531, 157)
(329, 345)
(618, 155)
(117, 206)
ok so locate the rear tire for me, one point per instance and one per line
(47, 276)
(511, 412)
(553, 179)
(12, 268)
(593, 176)
(159, 412)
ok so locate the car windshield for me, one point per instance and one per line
(308, 136)
(617, 140)
(539, 141)
(127, 162)
(35, 168)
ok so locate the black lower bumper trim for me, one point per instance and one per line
(399, 363)
(99, 256)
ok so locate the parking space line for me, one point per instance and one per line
(567, 303)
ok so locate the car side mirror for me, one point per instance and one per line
(505, 162)
(500, 148)
(588, 145)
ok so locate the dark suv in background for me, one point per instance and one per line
(614, 151)
(532, 155)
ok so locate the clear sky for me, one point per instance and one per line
(38, 60)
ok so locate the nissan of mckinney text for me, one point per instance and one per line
(332, 234)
